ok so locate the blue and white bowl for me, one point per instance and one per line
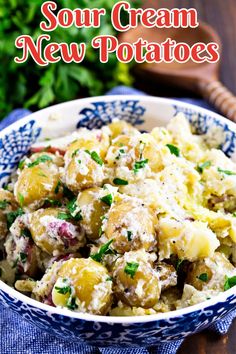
(145, 113)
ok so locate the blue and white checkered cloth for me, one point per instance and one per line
(19, 337)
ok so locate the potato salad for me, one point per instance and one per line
(117, 222)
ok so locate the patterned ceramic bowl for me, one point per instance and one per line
(145, 113)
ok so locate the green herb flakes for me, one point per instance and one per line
(104, 250)
(203, 277)
(3, 204)
(23, 257)
(120, 182)
(41, 159)
(21, 199)
(201, 167)
(107, 199)
(64, 216)
(129, 235)
(21, 164)
(230, 283)
(226, 172)
(95, 157)
(131, 268)
(139, 165)
(174, 150)
(65, 288)
(11, 217)
(71, 304)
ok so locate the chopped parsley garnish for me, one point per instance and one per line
(11, 217)
(203, 277)
(3, 204)
(41, 159)
(121, 152)
(74, 210)
(120, 182)
(64, 216)
(26, 233)
(95, 157)
(104, 250)
(107, 199)
(139, 164)
(57, 187)
(173, 149)
(178, 264)
(226, 172)
(67, 193)
(21, 164)
(21, 199)
(234, 214)
(131, 269)
(201, 167)
(129, 235)
(23, 257)
(109, 279)
(79, 162)
(71, 303)
(64, 289)
(230, 283)
(75, 153)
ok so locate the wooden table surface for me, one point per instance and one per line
(220, 14)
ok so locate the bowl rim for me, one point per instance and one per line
(129, 320)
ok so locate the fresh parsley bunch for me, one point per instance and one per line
(35, 87)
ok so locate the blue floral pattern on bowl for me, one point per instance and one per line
(16, 144)
(102, 113)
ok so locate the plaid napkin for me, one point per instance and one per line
(19, 337)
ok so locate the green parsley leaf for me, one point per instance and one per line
(95, 157)
(11, 217)
(75, 153)
(26, 233)
(109, 279)
(23, 257)
(67, 193)
(3, 204)
(104, 250)
(72, 208)
(202, 166)
(21, 199)
(21, 164)
(41, 159)
(230, 283)
(71, 303)
(64, 216)
(57, 187)
(131, 268)
(65, 288)
(129, 235)
(139, 164)
(120, 182)
(107, 199)
(226, 172)
(203, 277)
(173, 149)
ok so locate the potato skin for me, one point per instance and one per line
(36, 184)
(83, 172)
(86, 278)
(92, 211)
(131, 226)
(195, 270)
(143, 289)
(53, 235)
